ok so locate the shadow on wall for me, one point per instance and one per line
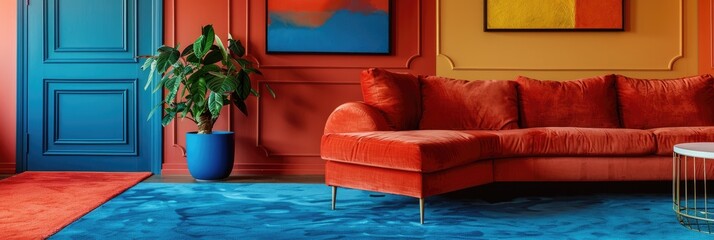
(8, 84)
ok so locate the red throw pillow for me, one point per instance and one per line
(468, 105)
(587, 102)
(655, 103)
(395, 94)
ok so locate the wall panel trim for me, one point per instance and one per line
(258, 132)
(711, 34)
(406, 65)
(669, 65)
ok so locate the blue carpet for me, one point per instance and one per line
(297, 211)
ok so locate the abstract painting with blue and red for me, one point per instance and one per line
(328, 26)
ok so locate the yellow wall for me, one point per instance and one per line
(660, 41)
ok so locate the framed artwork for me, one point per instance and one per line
(554, 15)
(328, 26)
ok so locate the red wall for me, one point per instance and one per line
(8, 84)
(282, 135)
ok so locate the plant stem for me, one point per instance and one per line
(205, 123)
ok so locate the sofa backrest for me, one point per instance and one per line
(396, 95)
(429, 102)
(468, 105)
(587, 102)
(648, 103)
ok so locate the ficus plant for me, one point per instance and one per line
(201, 79)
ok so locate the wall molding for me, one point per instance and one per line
(258, 133)
(711, 34)
(315, 166)
(174, 125)
(669, 65)
(406, 64)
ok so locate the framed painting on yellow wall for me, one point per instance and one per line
(554, 15)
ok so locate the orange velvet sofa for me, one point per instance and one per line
(421, 136)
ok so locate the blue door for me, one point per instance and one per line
(86, 107)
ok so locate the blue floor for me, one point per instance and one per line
(301, 211)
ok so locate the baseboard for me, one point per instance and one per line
(7, 168)
(255, 169)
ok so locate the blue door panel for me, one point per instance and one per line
(109, 128)
(86, 109)
(90, 31)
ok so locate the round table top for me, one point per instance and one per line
(697, 149)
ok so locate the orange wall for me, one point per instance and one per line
(706, 22)
(282, 136)
(659, 41)
(8, 84)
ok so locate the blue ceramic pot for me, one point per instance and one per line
(210, 156)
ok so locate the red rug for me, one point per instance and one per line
(35, 205)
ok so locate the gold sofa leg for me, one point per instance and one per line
(421, 210)
(334, 196)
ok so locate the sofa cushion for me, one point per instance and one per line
(468, 105)
(421, 151)
(668, 137)
(569, 141)
(588, 102)
(396, 95)
(682, 102)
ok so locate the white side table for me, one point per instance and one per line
(692, 166)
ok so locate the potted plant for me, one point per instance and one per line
(200, 80)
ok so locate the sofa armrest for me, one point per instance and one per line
(356, 117)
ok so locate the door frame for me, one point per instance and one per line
(22, 138)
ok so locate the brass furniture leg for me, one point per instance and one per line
(421, 210)
(334, 196)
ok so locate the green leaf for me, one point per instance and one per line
(188, 50)
(209, 36)
(167, 119)
(167, 57)
(255, 93)
(161, 84)
(213, 83)
(153, 110)
(198, 96)
(270, 90)
(244, 64)
(204, 42)
(197, 110)
(213, 57)
(198, 48)
(222, 48)
(195, 76)
(193, 59)
(215, 103)
(244, 86)
(236, 48)
(221, 84)
(186, 109)
(173, 89)
(210, 68)
(147, 63)
(218, 74)
(239, 103)
(151, 75)
(250, 70)
(181, 107)
(164, 49)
